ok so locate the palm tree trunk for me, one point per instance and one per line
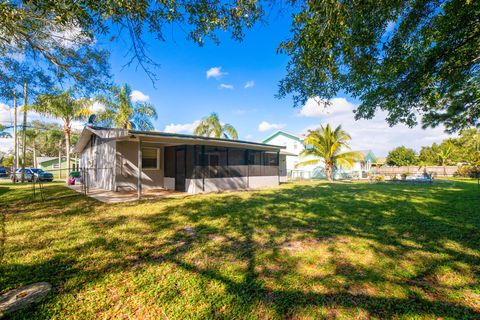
(67, 131)
(329, 172)
(35, 164)
(60, 160)
(15, 140)
(24, 147)
(67, 149)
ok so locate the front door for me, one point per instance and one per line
(180, 169)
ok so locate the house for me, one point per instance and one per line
(53, 163)
(294, 145)
(111, 159)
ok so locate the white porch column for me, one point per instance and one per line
(139, 166)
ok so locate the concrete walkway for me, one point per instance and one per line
(107, 196)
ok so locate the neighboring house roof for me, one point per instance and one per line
(40, 160)
(368, 155)
(43, 160)
(174, 138)
(290, 135)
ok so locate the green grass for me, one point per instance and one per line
(307, 250)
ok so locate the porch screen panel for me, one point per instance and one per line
(270, 161)
(255, 163)
(190, 161)
(237, 162)
(170, 162)
(216, 162)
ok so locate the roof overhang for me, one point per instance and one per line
(177, 139)
(165, 138)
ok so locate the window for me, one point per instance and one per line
(150, 158)
(270, 159)
(295, 146)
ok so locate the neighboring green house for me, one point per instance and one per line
(52, 164)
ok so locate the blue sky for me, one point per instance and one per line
(184, 94)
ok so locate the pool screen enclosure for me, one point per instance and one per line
(202, 162)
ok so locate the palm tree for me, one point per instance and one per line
(122, 112)
(327, 145)
(32, 136)
(63, 106)
(212, 127)
(3, 133)
(444, 154)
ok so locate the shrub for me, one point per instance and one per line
(379, 178)
(468, 171)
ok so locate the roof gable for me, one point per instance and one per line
(285, 134)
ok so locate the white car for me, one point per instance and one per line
(32, 174)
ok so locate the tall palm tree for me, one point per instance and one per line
(212, 127)
(3, 133)
(122, 112)
(327, 144)
(63, 106)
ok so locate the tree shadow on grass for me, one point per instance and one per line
(258, 231)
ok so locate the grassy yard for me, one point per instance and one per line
(304, 250)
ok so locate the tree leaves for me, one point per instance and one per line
(424, 68)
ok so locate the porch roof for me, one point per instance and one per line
(168, 138)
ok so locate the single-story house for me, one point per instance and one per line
(53, 163)
(113, 158)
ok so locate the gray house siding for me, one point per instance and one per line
(126, 167)
(98, 159)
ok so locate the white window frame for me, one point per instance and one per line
(158, 159)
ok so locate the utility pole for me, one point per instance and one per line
(15, 142)
(24, 146)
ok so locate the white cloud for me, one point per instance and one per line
(390, 26)
(226, 86)
(215, 72)
(97, 107)
(265, 126)
(137, 95)
(248, 137)
(70, 37)
(249, 84)
(376, 134)
(6, 144)
(181, 127)
(315, 107)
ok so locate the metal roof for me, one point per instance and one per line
(186, 138)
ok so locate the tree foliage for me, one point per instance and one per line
(121, 112)
(464, 149)
(3, 132)
(63, 105)
(60, 32)
(408, 58)
(401, 156)
(329, 145)
(212, 127)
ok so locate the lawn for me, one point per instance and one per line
(303, 250)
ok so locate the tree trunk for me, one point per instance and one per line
(35, 164)
(24, 147)
(60, 160)
(15, 140)
(329, 172)
(67, 132)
